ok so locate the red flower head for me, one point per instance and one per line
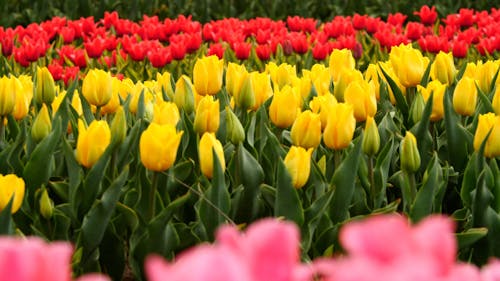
(396, 19)
(56, 70)
(242, 50)
(299, 42)
(414, 30)
(359, 21)
(263, 52)
(160, 57)
(178, 51)
(320, 51)
(427, 15)
(460, 49)
(95, 47)
(216, 49)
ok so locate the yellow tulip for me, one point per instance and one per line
(371, 137)
(244, 98)
(136, 91)
(165, 84)
(323, 105)
(487, 122)
(306, 130)
(158, 146)
(298, 165)
(409, 64)
(486, 74)
(389, 70)
(361, 95)
(119, 126)
(408, 151)
(207, 117)
(45, 87)
(339, 61)
(166, 113)
(184, 94)
(11, 186)
(7, 95)
(207, 75)
(23, 97)
(92, 142)
(114, 101)
(262, 90)
(209, 142)
(304, 85)
(281, 75)
(97, 87)
(465, 97)
(284, 107)
(443, 68)
(438, 91)
(496, 101)
(321, 79)
(340, 126)
(235, 75)
(42, 124)
(125, 88)
(372, 75)
(346, 77)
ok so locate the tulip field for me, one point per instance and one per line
(358, 148)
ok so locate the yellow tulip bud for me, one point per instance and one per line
(389, 70)
(281, 75)
(298, 165)
(339, 61)
(166, 113)
(136, 91)
(97, 87)
(45, 87)
(245, 97)
(7, 96)
(207, 117)
(11, 186)
(235, 76)
(114, 102)
(46, 205)
(438, 90)
(184, 94)
(321, 79)
(417, 107)
(306, 130)
(487, 122)
(165, 84)
(209, 142)
(24, 94)
(158, 146)
(340, 126)
(408, 151)
(207, 75)
(443, 68)
(346, 77)
(284, 107)
(42, 124)
(234, 130)
(496, 101)
(371, 137)
(485, 73)
(262, 89)
(92, 142)
(409, 64)
(465, 97)
(304, 85)
(361, 95)
(323, 105)
(119, 126)
(372, 75)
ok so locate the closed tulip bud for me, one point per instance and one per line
(340, 126)
(389, 70)
(306, 130)
(487, 122)
(165, 83)
(209, 142)
(92, 142)
(443, 68)
(304, 85)
(281, 75)
(11, 186)
(166, 113)
(114, 102)
(340, 60)
(24, 94)
(371, 137)
(207, 75)
(245, 98)
(409, 64)
(97, 87)
(323, 105)
(7, 96)
(408, 151)
(321, 79)
(234, 130)
(485, 72)
(372, 75)
(184, 94)
(45, 87)
(298, 165)
(207, 117)
(465, 97)
(42, 124)
(119, 126)
(438, 90)
(262, 89)
(361, 95)
(417, 107)
(284, 107)
(158, 146)
(347, 77)
(46, 205)
(235, 75)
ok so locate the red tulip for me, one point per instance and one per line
(427, 15)
(160, 57)
(95, 47)
(396, 19)
(359, 21)
(299, 43)
(56, 70)
(460, 49)
(320, 51)
(263, 52)
(216, 49)
(242, 50)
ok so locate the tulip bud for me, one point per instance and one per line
(234, 130)
(45, 87)
(323, 105)
(184, 94)
(166, 113)
(114, 102)
(42, 124)
(262, 89)
(158, 146)
(417, 107)
(24, 94)
(408, 151)
(443, 68)
(207, 117)
(409, 64)
(245, 98)
(207, 75)
(11, 186)
(306, 130)
(46, 205)
(340, 126)
(7, 96)
(465, 97)
(88, 150)
(438, 90)
(119, 126)
(340, 60)
(97, 87)
(298, 165)
(281, 75)
(165, 83)
(345, 78)
(487, 122)
(284, 107)
(235, 75)
(371, 137)
(209, 142)
(361, 95)
(496, 101)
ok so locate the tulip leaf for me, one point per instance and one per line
(469, 181)
(141, 106)
(97, 219)
(16, 150)
(128, 146)
(344, 182)
(482, 199)
(485, 103)
(215, 202)
(423, 205)
(87, 109)
(75, 175)
(401, 103)
(6, 222)
(422, 134)
(425, 76)
(249, 173)
(470, 236)
(288, 203)
(381, 173)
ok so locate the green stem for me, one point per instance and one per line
(337, 154)
(2, 132)
(152, 193)
(410, 95)
(373, 189)
(98, 113)
(413, 187)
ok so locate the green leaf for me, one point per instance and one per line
(6, 222)
(381, 173)
(401, 103)
(423, 205)
(75, 175)
(469, 181)
(485, 103)
(421, 132)
(470, 236)
(343, 182)
(287, 204)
